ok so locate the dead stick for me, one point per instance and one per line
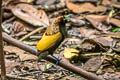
(31, 33)
(16, 77)
(2, 61)
(63, 63)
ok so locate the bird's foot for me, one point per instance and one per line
(57, 59)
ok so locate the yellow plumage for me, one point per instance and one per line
(52, 36)
(48, 41)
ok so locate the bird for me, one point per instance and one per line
(52, 37)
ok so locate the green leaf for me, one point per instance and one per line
(48, 66)
(116, 30)
(111, 13)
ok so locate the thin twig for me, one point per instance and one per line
(18, 78)
(31, 33)
(35, 37)
(2, 61)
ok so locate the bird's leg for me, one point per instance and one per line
(57, 59)
(42, 55)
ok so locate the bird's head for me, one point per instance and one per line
(62, 20)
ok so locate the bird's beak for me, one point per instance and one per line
(68, 17)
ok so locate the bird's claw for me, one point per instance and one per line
(57, 59)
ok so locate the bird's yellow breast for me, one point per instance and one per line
(48, 41)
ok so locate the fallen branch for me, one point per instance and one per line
(2, 60)
(18, 78)
(63, 63)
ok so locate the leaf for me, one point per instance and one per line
(10, 2)
(31, 15)
(96, 44)
(84, 7)
(20, 53)
(19, 28)
(115, 22)
(48, 66)
(88, 32)
(93, 64)
(116, 30)
(97, 22)
(106, 2)
(69, 53)
(111, 13)
(104, 18)
(10, 65)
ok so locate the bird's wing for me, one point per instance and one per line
(51, 36)
(52, 29)
(48, 41)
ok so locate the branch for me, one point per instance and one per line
(15, 77)
(31, 33)
(63, 63)
(2, 61)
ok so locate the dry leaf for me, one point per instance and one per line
(106, 2)
(98, 25)
(96, 44)
(20, 53)
(109, 2)
(84, 7)
(93, 64)
(104, 41)
(88, 32)
(31, 15)
(99, 18)
(115, 22)
(19, 28)
(89, 45)
(104, 18)
(111, 76)
(10, 65)
(96, 21)
(11, 2)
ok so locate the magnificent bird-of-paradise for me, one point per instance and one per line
(53, 36)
